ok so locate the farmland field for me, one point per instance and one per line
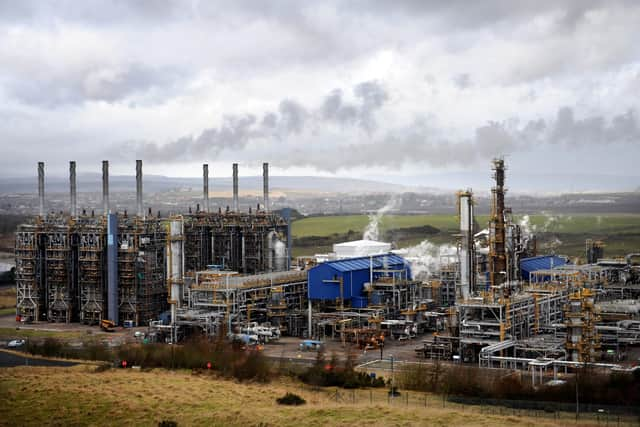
(563, 234)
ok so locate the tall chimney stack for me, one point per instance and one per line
(235, 188)
(139, 210)
(205, 186)
(265, 185)
(105, 187)
(72, 185)
(41, 188)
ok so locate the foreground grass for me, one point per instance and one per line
(80, 396)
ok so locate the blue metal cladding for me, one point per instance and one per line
(359, 302)
(112, 267)
(324, 279)
(545, 262)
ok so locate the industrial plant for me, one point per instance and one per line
(488, 298)
(86, 267)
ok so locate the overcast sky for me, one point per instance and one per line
(355, 88)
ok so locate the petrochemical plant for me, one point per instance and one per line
(491, 300)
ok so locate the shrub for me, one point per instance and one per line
(328, 374)
(291, 399)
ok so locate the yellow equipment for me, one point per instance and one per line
(107, 325)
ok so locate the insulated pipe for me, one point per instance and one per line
(265, 185)
(105, 187)
(72, 185)
(205, 186)
(139, 211)
(41, 188)
(235, 188)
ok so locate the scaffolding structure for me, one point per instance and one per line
(142, 290)
(91, 273)
(30, 299)
(581, 315)
(216, 301)
(66, 273)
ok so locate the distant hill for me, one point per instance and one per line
(156, 183)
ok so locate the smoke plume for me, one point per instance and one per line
(342, 132)
(372, 230)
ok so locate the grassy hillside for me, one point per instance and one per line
(81, 396)
(561, 233)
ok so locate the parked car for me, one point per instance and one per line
(311, 345)
(16, 343)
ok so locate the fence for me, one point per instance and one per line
(564, 413)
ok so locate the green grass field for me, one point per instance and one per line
(327, 225)
(621, 232)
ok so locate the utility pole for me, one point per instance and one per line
(577, 400)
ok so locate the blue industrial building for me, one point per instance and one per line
(325, 279)
(545, 262)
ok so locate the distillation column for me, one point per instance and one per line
(497, 255)
(467, 255)
(175, 269)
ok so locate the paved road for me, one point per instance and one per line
(8, 360)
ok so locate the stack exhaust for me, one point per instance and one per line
(41, 188)
(235, 188)
(139, 211)
(265, 185)
(105, 187)
(205, 186)
(72, 185)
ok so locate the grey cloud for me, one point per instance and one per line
(462, 81)
(371, 96)
(594, 129)
(109, 84)
(418, 142)
(422, 143)
(270, 120)
(472, 15)
(93, 12)
(233, 135)
(335, 109)
(291, 118)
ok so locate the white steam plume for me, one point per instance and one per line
(372, 230)
(526, 227)
(425, 257)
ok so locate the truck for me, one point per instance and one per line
(264, 332)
